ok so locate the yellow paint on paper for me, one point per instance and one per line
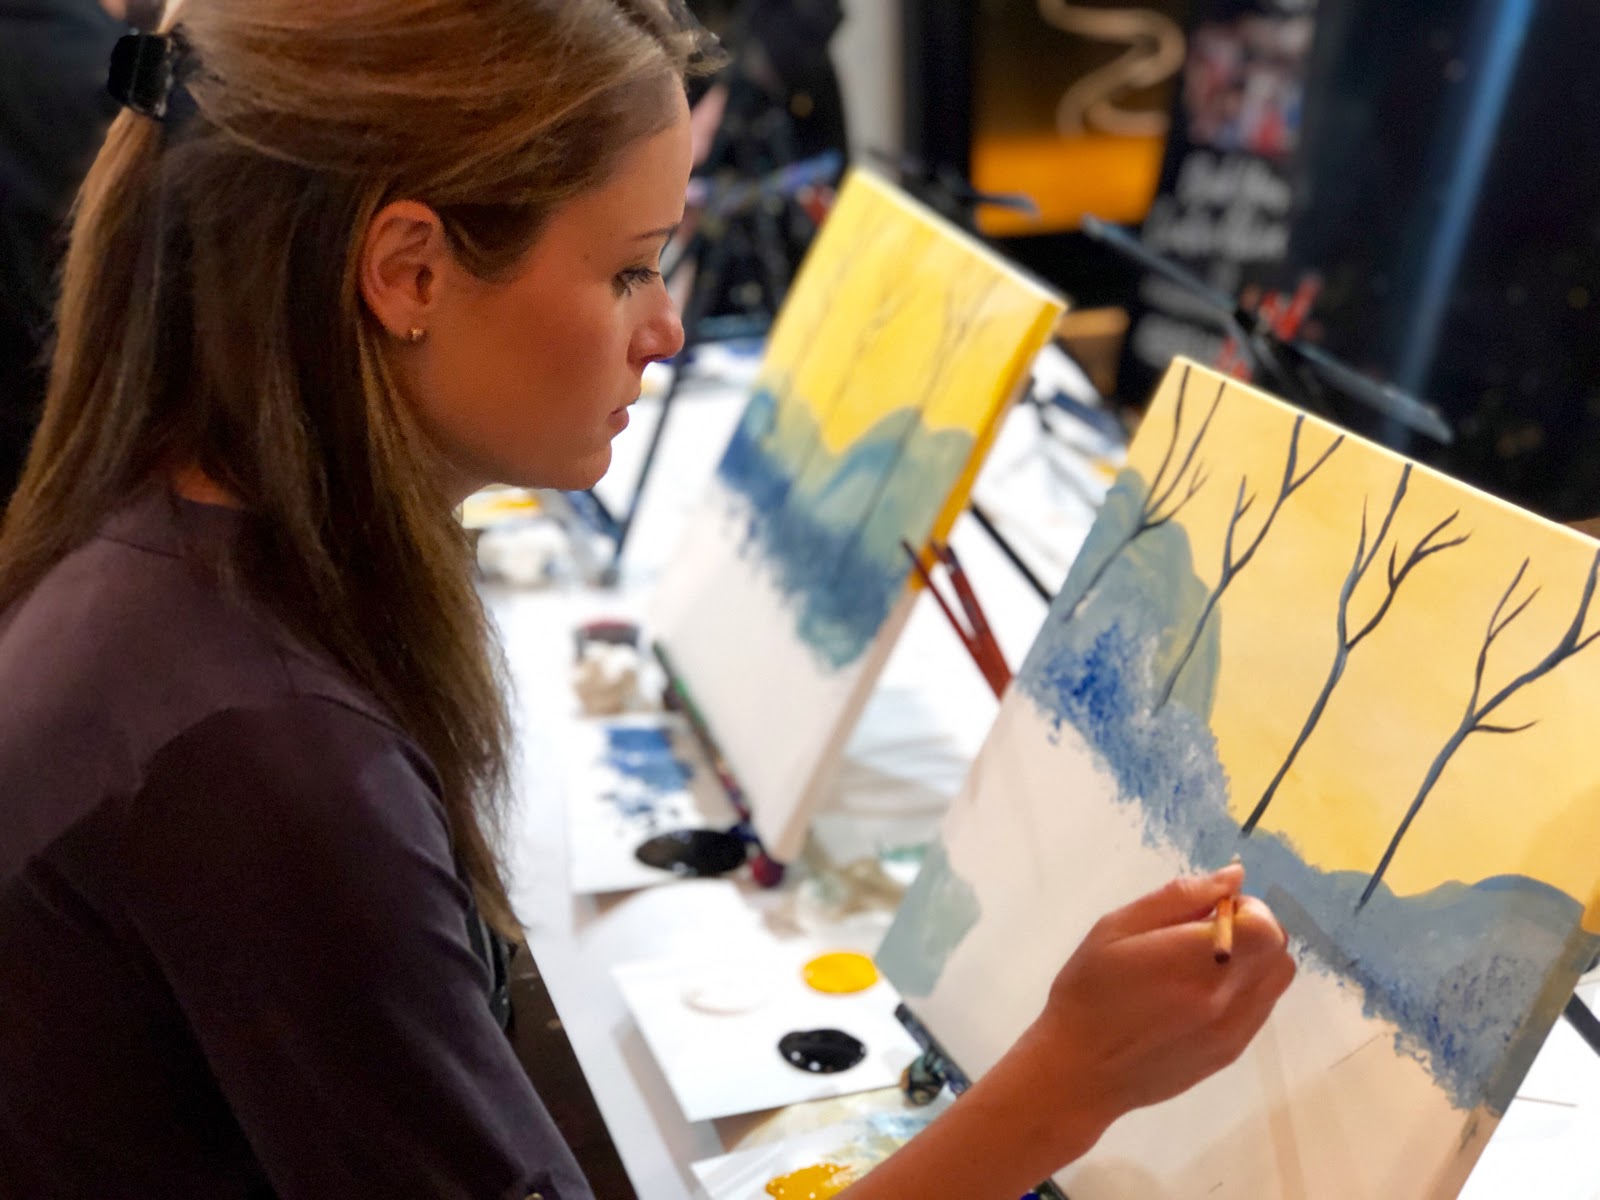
(841, 974)
(1508, 803)
(812, 1183)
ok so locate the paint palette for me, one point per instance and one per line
(854, 1147)
(634, 777)
(714, 1026)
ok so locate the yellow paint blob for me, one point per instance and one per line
(812, 1183)
(841, 974)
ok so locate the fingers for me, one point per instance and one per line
(1181, 955)
(1256, 930)
(1190, 898)
(1248, 1009)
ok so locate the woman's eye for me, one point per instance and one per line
(634, 277)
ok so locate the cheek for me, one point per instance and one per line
(521, 391)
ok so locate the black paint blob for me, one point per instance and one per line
(821, 1051)
(695, 852)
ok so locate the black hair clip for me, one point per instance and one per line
(147, 75)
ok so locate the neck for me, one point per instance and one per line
(192, 483)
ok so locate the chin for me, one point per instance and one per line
(576, 476)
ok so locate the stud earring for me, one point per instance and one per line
(416, 337)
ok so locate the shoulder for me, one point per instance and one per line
(129, 641)
(296, 759)
(275, 818)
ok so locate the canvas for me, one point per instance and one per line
(1373, 684)
(895, 356)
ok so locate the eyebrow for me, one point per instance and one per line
(665, 231)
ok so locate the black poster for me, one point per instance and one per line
(1427, 165)
(1226, 199)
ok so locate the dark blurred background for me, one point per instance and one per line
(1422, 163)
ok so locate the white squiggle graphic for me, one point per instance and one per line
(1155, 54)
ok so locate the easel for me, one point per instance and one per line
(1297, 370)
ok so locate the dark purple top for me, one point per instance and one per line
(234, 949)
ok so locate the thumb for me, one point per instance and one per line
(1189, 898)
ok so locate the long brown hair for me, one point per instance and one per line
(210, 316)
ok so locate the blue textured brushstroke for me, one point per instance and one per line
(1460, 970)
(644, 755)
(825, 527)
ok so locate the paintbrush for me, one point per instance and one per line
(1222, 927)
(982, 634)
(979, 642)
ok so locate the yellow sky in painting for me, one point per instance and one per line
(893, 309)
(1527, 803)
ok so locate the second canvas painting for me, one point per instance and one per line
(897, 353)
(1366, 680)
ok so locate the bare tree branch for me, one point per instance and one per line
(893, 296)
(1231, 566)
(1420, 553)
(1154, 513)
(1474, 720)
(1346, 643)
(965, 318)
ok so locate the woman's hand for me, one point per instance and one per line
(1143, 1011)
(1140, 1012)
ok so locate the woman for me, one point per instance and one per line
(377, 254)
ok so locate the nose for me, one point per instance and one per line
(662, 336)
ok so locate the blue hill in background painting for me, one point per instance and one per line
(827, 527)
(1461, 970)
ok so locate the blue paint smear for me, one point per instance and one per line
(1460, 970)
(644, 755)
(825, 527)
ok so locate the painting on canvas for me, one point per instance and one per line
(1368, 681)
(897, 353)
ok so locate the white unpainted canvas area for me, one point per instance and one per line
(780, 718)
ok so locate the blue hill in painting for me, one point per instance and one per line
(827, 527)
(1461, 970)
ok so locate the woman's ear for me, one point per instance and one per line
(403, 260)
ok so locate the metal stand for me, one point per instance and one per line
(1581, 1017)
(1297, 369)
